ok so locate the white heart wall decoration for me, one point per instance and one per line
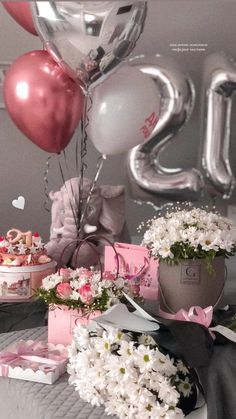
(19, 203)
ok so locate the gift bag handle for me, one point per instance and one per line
(80, 243)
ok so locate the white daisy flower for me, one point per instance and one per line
(144, 358)
(185, 387)
(50, 282)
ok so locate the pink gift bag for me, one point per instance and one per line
(62, 320)
(135, 261)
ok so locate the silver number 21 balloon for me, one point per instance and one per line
(177, 104)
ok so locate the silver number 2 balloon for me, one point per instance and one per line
(219, 85)
(178, 95)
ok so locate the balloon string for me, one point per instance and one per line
(46, 183)
(77, 151)
(74, 203)
(100, 163)
(83, 151)
(77, 166)
(65, 184)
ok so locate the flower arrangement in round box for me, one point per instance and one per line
(129, 375)
(78, 296)
(191, 245)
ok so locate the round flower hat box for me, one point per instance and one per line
(23, 265)
(191, 245)
(189, 284)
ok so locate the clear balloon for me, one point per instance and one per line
(21, 12)
(89, 38)
(125, 110)
(177, 93)
(220, 84)
(45, 104)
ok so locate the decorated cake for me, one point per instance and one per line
(22, 249)
(23, 264)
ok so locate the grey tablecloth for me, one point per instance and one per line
(26, 400)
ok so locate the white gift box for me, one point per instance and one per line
(39, 362)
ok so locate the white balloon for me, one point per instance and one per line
(125, 110)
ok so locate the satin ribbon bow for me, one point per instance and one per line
(195, 314)
(201, 316)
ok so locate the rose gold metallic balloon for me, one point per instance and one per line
(21, 12)
(43, 101)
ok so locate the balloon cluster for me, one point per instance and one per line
(141, 104)
(85, 43)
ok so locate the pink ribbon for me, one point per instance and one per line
(34, 352)
(195, 314)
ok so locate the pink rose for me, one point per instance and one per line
(86, 294)
(64, 290)
(108, 275)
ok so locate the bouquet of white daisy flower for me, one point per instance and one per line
(190, 234)
(127, 374)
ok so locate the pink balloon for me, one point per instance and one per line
(43, 101)
(21, 12)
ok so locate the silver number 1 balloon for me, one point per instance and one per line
(178, 96)
(219, 85)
